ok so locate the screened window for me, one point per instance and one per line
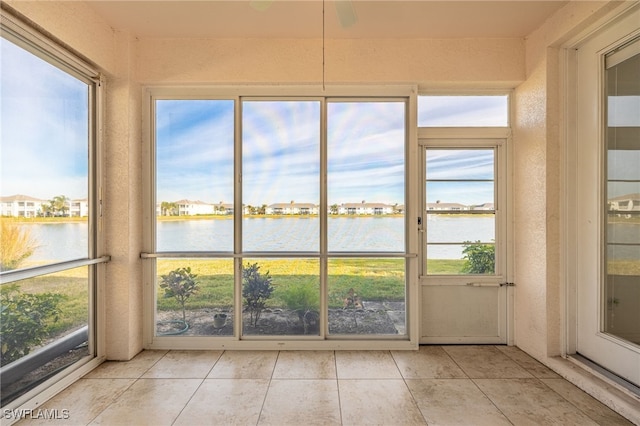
(289, 222)
(460, 207)
(47, 227)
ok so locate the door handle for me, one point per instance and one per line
(484, 285)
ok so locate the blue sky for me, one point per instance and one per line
(281, 151)
(43, 110)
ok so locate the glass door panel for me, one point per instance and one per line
(622, 284)
(460, 211)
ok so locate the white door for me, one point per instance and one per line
(606, 214)
(464, 282)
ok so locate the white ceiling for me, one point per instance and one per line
(303, 19)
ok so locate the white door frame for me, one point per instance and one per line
(582, 216)
(466, 138)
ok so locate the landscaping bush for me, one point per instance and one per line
(301, 297)
(480, 258)
(24, 320)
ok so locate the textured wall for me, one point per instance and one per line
(123, 205)
(537, 182)
(482, 63)
(71, 23)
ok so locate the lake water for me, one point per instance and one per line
(63, 241)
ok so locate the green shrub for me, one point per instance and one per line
(301, 297)
(480, 258)
(256, 289)
(24, 320)
(179, 284)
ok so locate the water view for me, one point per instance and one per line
(384, 234)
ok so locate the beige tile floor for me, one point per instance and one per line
(437, 385)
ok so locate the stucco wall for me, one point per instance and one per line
(537, 182)
(74, 24)
(123, 205)
(481, 63)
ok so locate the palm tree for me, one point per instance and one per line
(168, 208)
(59, 205)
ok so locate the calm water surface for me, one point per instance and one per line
(66, 241)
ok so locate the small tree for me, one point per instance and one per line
(480, 258)
(179, 284)
(256, 289)
(24, 320)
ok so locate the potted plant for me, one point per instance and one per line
(219, 320)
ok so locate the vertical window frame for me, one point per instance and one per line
(49, 50)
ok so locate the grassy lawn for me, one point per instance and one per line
(73, 286)
(372, 279)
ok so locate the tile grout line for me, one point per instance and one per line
(404, 380)
(135, 380)
(476, 385)
(264, 400)
(545, 385)
(197, 389)
(114, 400)
(335, 364)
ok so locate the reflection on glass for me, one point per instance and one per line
(44, 161)
(48, 316)
(281, 175)
(194, 297)
(281, 297)
(194, 175)
(366, 145)
(622, 285)
(463, 111)
(366, 296)
(460, 212)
